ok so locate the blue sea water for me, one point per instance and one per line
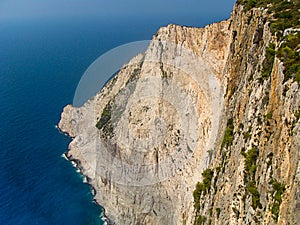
(40, 66)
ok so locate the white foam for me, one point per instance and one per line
(64, 156)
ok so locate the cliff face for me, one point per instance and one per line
(196, 99)
(256, 168)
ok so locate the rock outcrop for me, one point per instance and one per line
(196, 99)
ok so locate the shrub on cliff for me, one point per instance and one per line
(202, 187)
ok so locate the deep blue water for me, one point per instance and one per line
(40, 66)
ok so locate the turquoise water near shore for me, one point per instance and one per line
(40, 66)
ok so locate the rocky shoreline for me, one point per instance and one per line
(77, 164)
(86, 179)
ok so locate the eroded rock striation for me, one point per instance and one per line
(201, 128)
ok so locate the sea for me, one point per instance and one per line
(41, 63)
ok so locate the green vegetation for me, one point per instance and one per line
(275, 210)
(269, 115)
(278, 190)
(250, 161)
(287, 16)
(251, 188)
(285, 46)
(105, 117)
(135, 73)
(247, 135)
(203, 187)
(164, 74)
(259, 120)
(297, 114)
(223, 163)
(210, 212)
(268, 62)
(249, 4)
(218, 169)
(241, 126)
(236, 211)
(265, 100)
(283, 14)
(200, 220)
(228, 136)
(289, 54)
(218, 210)
(104, 122)
(250, 169)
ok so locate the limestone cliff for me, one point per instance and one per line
(256, 167)
(201, 128)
